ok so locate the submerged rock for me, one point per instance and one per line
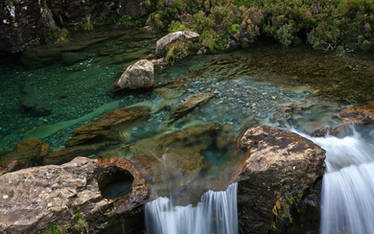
(358, 115)
(188, 105)
(280, 168)
(163, 44)
(34, 106)
(102, 128)
(27, 153)
(140, 75)
(99, 134)
(71, 197)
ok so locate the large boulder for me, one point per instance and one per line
(165, 42)
(75, 197)
(280, 170)
(140, 75)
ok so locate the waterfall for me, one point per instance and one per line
(348, 185)
(215, 213)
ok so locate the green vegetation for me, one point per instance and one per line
(324, 25)
(88, 26)
(54, 229)
(57, 35)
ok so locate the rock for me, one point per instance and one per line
(104, 128)
(159, 63)
(27, 153)
(166, 41)
(21, 24)
(34, 106)
(280, 167)
(133, 8)
(187, 106)
(137, 76)
(33, 199)
(316, 129)
(358, 115)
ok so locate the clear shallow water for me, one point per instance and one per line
(215, 213)
(249, 88)
(348, 184)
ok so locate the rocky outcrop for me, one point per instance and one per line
(72, 197)
(27, 153)
(21, 24)
(133, 8)
(140, 75)
(280, 168)
(188, 105)
(27, 23)
(358, 115)
(165, 42)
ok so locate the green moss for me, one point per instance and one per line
(178, 51)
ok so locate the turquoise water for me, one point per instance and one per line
(248, 87)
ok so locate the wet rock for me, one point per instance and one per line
(33, 199)
(166, 41)
(279, 168)
(137, 76)
(104, 128)
(187, 106)
(358, 115)
(27, 153)
(316, 129)
(34, 106)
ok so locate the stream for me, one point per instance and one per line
(291, 88)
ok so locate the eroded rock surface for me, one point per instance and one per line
(33, 199)
(280, 168)
(140, 75)
(163, 44)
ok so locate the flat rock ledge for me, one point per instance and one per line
(276, 179)
(33, 199)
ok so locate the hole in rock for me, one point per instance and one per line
(115, 182)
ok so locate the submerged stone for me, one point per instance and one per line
(188, 105)
(280, 168)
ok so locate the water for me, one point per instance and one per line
(348, 185)
(215, 213)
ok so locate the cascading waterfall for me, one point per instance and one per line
(215, 213)
(348, 185)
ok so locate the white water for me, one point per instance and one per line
(348, 185)
(215, 213)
